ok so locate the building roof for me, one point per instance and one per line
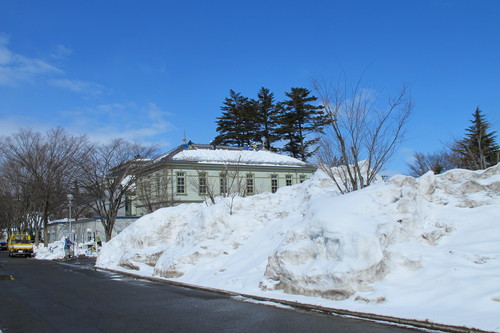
(208, 154)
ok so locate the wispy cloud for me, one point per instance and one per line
(79, 86)
(148, 68)
(11, 125)
(16, 69)
(144, 124)
(60, 52)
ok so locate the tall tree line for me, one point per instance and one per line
(292, 122)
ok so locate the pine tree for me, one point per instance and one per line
(299, 118)
(478, 150)
(267, 115)
(237, 125)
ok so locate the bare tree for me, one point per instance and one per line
(108, 174)
(229, 184)
(42, 167)
(12, 212)
(232, 184)
(435, 162)
(362, 136)
(155, 192)
(205, 186)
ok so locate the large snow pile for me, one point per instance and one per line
(426, 248)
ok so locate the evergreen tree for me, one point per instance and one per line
(267, 116)
(478, 150)
(237, 125)
(298, 119)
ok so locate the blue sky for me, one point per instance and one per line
(148, 71)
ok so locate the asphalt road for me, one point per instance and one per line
(72, 296)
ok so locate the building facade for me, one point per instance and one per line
(197, 173)
(191, 174)
(84, 230)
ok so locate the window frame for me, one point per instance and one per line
(250, 183)
(302, 178)
(274, 183)
(202, 183)
(223, 183)
(180, 182)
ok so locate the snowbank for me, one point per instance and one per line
(425, 248)
(55, 250)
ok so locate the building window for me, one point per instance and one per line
(288, 179)
(223, 183)
(302, 178)
(202, 183)
(128, 206)
(181, 183)
(250, 184)
(274, 183)
(158, 186)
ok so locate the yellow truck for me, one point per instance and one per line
(20, 245)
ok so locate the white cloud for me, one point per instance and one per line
(144, 124)
(61, 52)
(5, 54)
(79, 86)
(16, 69)
(11, 125)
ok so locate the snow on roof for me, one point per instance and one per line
(207, 154)
(246, 157)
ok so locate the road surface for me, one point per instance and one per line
(72, 296)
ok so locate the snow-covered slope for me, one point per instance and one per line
(426, 248)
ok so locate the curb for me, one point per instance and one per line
(308, 307)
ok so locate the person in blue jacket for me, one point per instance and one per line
(67, 247)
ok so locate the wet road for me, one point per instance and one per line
(72, 296)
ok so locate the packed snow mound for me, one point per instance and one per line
(411, 233)
(55, 250)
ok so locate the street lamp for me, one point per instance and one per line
(70, 198)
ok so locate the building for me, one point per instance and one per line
(196, 173)
(84, 230)
(190, 174)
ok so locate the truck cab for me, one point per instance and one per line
(20, 245)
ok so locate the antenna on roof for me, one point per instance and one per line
(184, 141)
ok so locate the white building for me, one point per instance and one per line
(202, 172)
(194, 174)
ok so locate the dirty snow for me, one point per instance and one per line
(425, 248)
